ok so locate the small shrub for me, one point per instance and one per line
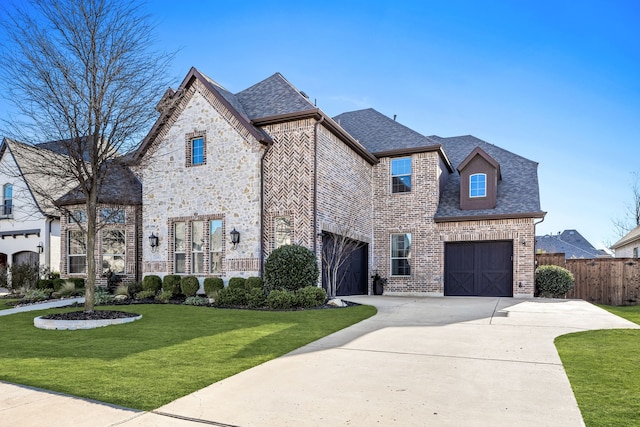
(67, 289)
(254, 282)
(164, 296)
(102, 296)
(151, 283)
(290, 267)
(145, 295)
(4, 278)
(171, 283)
(553, 281)
(24, 276)
(196, 301)
(44, 284)
(77, 281)
(134, 287)
(256, 298)
(232, 297)
(189, 285)
(35, 295)
(311, 296)
(212, 284)
(238, 283)
(122, 289)
(57, 284)
(281, 300)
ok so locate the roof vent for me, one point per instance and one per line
(304, 94)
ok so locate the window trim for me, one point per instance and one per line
(401, 175)
(472, 188)
(392, 258)
(188, 252)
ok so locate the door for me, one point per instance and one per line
(352, 275)
(479, 269)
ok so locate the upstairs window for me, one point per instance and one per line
(401, 175)
(197, 151)
(478, 185)
(113, 216)
(7, 200)
(77, 217)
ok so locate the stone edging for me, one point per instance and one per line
(73, 325)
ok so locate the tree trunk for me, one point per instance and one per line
(90, 282)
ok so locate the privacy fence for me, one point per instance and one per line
(612, 281)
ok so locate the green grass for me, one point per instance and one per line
(602, 367)
(171, 352)
(5, 301)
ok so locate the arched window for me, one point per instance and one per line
(478, 185)
(7, 200)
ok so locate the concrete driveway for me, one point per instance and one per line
(418, 362)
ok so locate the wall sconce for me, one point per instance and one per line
(524, 242)
(40, 247)
(153, 241)
(235, 237)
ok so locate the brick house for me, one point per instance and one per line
(439, 216)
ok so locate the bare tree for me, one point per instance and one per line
(336, 251)
(631, 217)
(81, 73)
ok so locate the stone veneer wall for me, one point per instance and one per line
(227, 186)
(410, 212)
(132, 237)
(519, 230)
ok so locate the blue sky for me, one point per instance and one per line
(554, 81)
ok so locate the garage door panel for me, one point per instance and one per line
(461, 283)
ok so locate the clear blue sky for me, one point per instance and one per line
(554, 81)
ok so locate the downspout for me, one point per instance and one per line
(47, 242)
(262, 207)
(534, 241)
(315, 184)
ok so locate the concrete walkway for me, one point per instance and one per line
(418, 362)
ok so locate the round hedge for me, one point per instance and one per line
(553, 281)
(171, 283)
(290, 267)
(212, 284)
(189, 286)
(151, 283)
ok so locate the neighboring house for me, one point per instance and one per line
(571, 243)
(440, 216)
(29, 223)
(629, 245)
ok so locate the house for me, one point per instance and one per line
(628, 246)
(29, 223)
(226, 178)
(569, 242)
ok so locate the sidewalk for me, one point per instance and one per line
(43, 306)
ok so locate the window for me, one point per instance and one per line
(197, 151)
(400, 254)
(282, 231)
(113, 216)
(401, 175)
(478, 185)
(113, 251)
(635, 252)
(179, 247)
(197, 244)
(215, 246)
(77, 252)
(77, 217)
(7, 200)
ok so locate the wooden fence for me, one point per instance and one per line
(611, 281)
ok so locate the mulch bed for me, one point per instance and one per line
(94, 315)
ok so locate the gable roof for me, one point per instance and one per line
(385, 137)
(487, 158)
(569, 242)
(632, 236)
(518, 195)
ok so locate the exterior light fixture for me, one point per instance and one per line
(153, 241)
(235, 237)
(40, 247)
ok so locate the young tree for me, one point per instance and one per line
(336, 250)
(81, 73)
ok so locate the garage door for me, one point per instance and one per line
(478, 269)
(352, 275)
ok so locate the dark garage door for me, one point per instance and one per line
(482, 269)
(352, 276)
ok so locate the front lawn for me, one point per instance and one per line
(172, 351)
(602, 367)
(6, 303)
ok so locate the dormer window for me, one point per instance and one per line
(478, 185)
(401, 175)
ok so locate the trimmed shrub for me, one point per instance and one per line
(171, 283)
(164, 296)
(256, 298)
(151, 283)
(145, 294)
(232, 297)
(134, 287)
(212, 284)
(290, 267)
(189, 285)
(254, 282)
(238, 283)
(281, 299)
(553, 281)
(310, 296)
(196, 301)
(44, 284)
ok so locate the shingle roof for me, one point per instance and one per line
(272, 96)
(379, 133)
(571, 243)
(628, 238)
(518, 192)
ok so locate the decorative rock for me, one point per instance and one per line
(119, 298)
(336, 302)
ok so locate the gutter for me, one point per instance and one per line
(489, 217)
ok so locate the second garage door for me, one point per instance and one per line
(478, 269)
